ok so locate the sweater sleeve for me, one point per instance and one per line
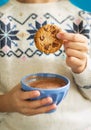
(83, 80)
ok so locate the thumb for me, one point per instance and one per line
(60, 35)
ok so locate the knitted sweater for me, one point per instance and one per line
(19, 56)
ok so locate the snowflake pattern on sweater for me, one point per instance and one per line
(9, 34)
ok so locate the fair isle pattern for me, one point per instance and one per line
(9, 34)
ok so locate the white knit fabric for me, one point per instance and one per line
(19, 56)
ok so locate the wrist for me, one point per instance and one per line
(4, 104)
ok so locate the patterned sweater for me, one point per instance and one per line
(19, 56)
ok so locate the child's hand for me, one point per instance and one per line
(76, 48)
(16, 101)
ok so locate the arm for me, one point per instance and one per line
(83, 80)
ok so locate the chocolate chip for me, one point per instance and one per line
(53, 32)
(42, 38)
(46, 29)
(54, 44)
(47, 47)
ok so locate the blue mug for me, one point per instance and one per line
(83, 4)
(3, 2)
(57, 94)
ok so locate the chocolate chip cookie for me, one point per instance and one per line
(46, 40)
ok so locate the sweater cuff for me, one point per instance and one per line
(84, 78)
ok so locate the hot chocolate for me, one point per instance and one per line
(47, 83)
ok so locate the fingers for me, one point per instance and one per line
(19, 103)
(76, 46)
(39, 103)
(29, 94)
(23, 95)
(72, 37)
(38, 106)
(34, 104)
(40, 110)
(74, 62)
(74, 41)
(77, 65)
(75, 57)
(45, 109)
(75, 53)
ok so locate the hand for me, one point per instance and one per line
(76, 48)
(16, 101)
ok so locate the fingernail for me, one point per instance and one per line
(58, 35)
(37, 93)
(49, 100)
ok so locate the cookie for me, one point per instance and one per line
(46, 40)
